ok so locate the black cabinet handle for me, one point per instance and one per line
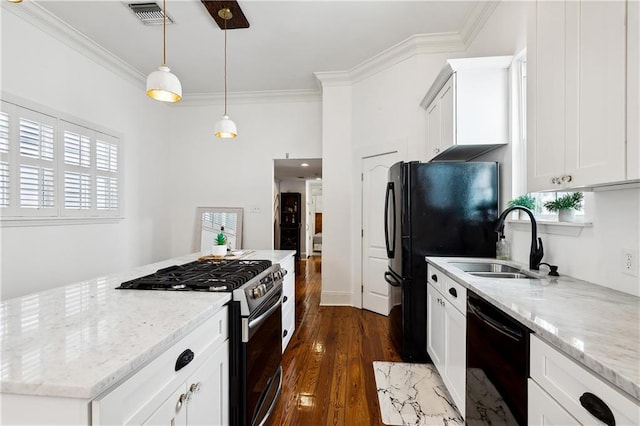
(597, 408)
(434, 277)
(285, 332)
(285, 299)
(185, 358)
(453, 292)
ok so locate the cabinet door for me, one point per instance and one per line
(456, 355)
(435, 327)
(545, 95)
(544, 410)
(172, 412)
(447, 100)
(433, 133)
(595, 91)
(209, 387)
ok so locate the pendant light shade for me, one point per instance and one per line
(225, 128)
(162, 85)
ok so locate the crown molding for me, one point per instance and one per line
(272, 96)
(33, 13)
(476, 20)
(416, 44)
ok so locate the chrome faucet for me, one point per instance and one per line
(536, 253)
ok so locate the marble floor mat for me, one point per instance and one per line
(413, 394)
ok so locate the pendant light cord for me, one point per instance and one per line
(225, 66)
(164, 32)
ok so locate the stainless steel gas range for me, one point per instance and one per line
(255, 325)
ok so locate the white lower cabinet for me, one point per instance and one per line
(157, 394)
(544, 410)
(447, 334)
(202, 399)
(566, 393)
(288, 300)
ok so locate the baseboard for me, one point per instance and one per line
(335, 298)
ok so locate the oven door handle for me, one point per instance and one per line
(260, 319)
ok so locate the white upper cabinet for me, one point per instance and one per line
(468, 108)
(576, 94)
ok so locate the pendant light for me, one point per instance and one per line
(162, 85)
(225, 128)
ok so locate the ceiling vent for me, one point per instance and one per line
(149, 13)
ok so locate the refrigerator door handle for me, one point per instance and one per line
(390, 245)
(388, 277)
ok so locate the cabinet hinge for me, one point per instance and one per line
(362, 177)
(362, 233)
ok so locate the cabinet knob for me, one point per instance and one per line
(284, 299)
(555, 180)
(434, 277)
(567, 178)
(183, 398)
(285, 332)
(436, 150)
(453, 292)
(195, 387)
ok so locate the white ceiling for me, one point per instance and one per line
(286, 42)
(293, 170)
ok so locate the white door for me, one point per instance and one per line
(377, 294)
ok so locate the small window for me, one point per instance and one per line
(51, 167)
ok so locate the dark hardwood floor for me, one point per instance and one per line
(328, 365)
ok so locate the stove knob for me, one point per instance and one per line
(258, 291)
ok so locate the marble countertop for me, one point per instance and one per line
(79, 340)
(596, 326)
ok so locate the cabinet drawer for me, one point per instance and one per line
(288, 327)
(131, 402)
(436, 277)
(452, 291)
(544, 410)
(566, 382)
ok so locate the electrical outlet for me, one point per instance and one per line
(629, 262)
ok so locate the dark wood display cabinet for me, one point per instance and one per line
(290, 214)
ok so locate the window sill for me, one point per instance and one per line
(14, 222)
(570, 229)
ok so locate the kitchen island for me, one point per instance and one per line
(593, 329)
(63, 348)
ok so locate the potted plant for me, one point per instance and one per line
(566, 206)
(220, 245)
(523, 201)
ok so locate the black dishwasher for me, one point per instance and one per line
(497, 366)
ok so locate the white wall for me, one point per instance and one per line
(207, 171)
(41, 69)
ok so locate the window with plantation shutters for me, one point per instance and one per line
(36, 155)
(52, 168)
(4, 157)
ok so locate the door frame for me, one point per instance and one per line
(396, 145)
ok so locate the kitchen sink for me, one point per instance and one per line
(512, 275)
(492, 269)
(484, 267)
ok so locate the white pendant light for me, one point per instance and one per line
(225, 128)
(162, 85)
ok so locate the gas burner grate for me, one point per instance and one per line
(216, 275)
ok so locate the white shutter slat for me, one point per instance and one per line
(77, 149)
(4, 132)
(106, 193)
(36, 139)
(106, 156)
(36, 187)
(4, 184)
(77, 191)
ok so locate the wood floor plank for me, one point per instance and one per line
(328, 366)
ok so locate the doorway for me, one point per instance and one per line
(301, 176)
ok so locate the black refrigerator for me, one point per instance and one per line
(434, 209)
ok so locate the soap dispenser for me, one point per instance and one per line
(502, 248)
